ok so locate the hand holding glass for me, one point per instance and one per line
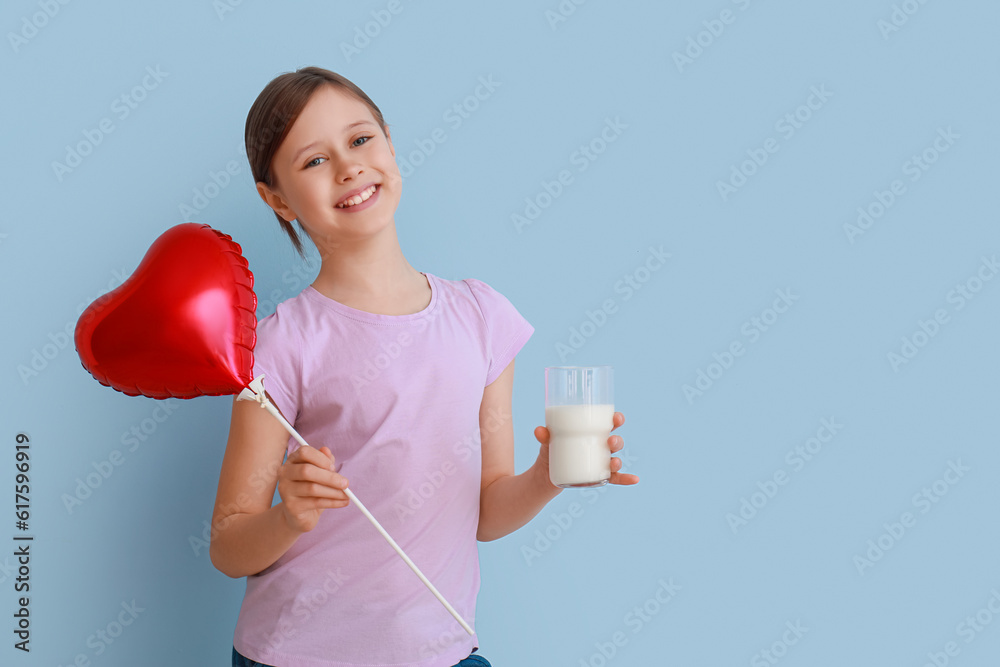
(579, 414)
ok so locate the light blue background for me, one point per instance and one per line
(63, 241)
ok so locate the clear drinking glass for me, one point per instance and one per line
(579, 414)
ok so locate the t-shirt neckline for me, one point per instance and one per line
(363, 315)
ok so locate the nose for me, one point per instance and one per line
(348, 170)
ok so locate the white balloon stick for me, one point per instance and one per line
(255, 392)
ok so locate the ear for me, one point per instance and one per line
(388, 137)
(275, 201)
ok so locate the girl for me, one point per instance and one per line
(401, 379)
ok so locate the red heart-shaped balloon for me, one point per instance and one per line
(182, 325)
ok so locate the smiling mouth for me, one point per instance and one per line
(359, 198)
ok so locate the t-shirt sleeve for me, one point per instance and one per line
(275, 357)
(507, 330)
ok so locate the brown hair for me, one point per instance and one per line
(275, 110)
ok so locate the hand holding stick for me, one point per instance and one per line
(255, 392)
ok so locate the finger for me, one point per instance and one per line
(304, 454)
(616, 442)
(337, 480)
(319, 457)
(542, 435)
(321, 504)
(303, 507)
(616, 464)
(623, 478)
(314, 490)
(310, 472)
(325, 503)
(617, 421)
(300, 506)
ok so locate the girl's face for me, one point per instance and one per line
(335, 150)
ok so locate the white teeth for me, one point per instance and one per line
(357, 199)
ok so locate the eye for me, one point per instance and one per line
(314, 162)
(359, 139)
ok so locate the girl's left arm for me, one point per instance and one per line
(508, 501)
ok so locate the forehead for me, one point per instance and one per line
(330, 109)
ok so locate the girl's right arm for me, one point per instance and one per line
(248, 534)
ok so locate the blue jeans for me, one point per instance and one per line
(240, 660)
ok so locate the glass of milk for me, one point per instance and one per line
(579, 414)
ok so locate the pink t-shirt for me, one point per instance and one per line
(396, 398)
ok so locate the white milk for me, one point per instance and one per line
(578, 448)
